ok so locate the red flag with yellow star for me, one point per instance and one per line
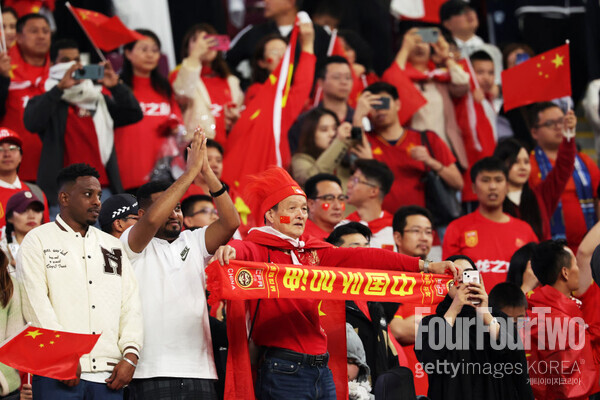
(541, 78)
(106, 33)
(44, 352)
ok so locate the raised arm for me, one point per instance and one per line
(584, 258)
(219, 232)
(152, 219)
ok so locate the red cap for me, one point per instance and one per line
(9, 134)
(268, 188)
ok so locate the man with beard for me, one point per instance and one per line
(177, 360)
(75, 278)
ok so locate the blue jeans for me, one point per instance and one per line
(52, 389)
(281, 379)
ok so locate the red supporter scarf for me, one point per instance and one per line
(245, 280)
(377, 224)
(432, 74)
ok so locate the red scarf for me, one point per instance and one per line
(440, 75)
(377, 224)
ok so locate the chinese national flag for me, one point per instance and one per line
(259, 138)
(43, 352)
(106, 33)
(541, 78)
(410, 97)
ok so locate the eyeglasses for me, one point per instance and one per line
(12, 148)
(206, 210)
(552, 123)
(354, 180)
(328, 198)
(417, 231)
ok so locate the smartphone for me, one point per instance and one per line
(356, 134)
(471, 276)
(222, 42)
(429, 35)
(521, 57)
(91, 71)
(385, 104)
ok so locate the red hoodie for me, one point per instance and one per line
(576, 373)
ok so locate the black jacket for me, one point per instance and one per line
(476, 378)
(46, 115)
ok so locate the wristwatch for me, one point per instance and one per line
(219, 192)
(426, 266)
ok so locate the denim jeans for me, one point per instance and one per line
(281, 379)
(52, 389)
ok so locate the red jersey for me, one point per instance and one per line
(140, 145)
(575, 227)
(408, 187)
(575, 375)
(294, 324)
(26, 81)
(313, 230)
(489, 244)
(590, 300)
(7, 193)
(81, 142)
(220, 96)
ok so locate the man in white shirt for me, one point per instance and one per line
(76, 278)
(177, 360)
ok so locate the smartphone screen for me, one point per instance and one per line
(385, 104)
(521, 57)
(222, 42)
(429, 35)
(91, 71)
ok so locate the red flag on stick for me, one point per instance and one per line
(541, 78)
(104, 32)
(53, 354)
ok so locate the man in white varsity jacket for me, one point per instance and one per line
(76, 278)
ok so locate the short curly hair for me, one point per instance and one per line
(72, 172)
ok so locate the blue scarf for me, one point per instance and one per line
(583, 188)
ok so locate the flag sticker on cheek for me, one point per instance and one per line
(284, 219)
(325, 206)
(343, 206)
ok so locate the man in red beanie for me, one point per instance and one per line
(11, 155)
(289, 330)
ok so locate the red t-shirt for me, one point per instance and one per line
(6, 194)
(313, 230)
(489, 244)
(408, 187)
(575, 227)
(140, 145)
(26, 81)
(81, 142)
(220, 96)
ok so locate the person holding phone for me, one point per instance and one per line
(209, 95)
(425, 60)
(464, 318)
(403, 149)
(75, 119)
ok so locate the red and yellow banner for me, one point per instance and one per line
(245, 280)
